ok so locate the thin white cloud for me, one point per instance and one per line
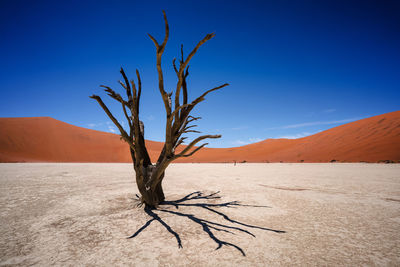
(92, 125)
(255, 140)
(240, 142)
(299, 125)
(246, 142)
(295, 136)
(112, 129)
(330, 110)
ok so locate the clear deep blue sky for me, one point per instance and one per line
(294, 67)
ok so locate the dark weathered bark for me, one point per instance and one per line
(149, 177)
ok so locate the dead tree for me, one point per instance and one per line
(149, 177)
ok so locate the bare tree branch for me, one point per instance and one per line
(174, 65)
(189, 108)
(123, 85)
(180, 141)
(124, 135)
(160, 51)
(190, 131)
(139, 90)
(189, 57)
(183, 66)
(114, 95)
(201, 98)
(133, 91)
(195, 141)
(188, 127)
(166, 31)
(191, 118)
(182, 58)
(154, 41)
(127, 117)
(126, 86)
(184, 85)
(193, 151)
(178, 109)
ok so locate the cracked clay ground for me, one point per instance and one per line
(256, 214)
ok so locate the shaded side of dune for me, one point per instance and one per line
(43, 139)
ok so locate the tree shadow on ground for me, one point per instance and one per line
(207, 225)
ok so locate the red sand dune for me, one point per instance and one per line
(44, 139)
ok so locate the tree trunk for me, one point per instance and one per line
(159, 190)
(151, 198)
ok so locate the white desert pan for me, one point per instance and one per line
(263, 215)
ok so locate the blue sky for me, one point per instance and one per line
(294, 67)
